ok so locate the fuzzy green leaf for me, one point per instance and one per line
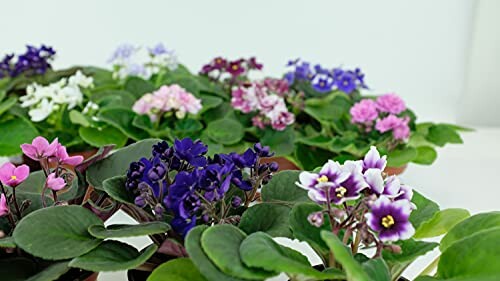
(441, 223)
(181, 269)
(125, 230)
(225, 131)
(269, 218)
(282, 188)
(115, 188)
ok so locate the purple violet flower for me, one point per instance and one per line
(390, 219)
(373, 160)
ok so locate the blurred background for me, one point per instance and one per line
(442, 57)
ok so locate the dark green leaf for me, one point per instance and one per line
(7, 242)
(260, 250)
(209, 102)
(122, 119)
(138, 86)
(283, 188)
(102, 136)
(377, 269)
(281, 142)
(225, 131)
(410, 250)
(115, 188)
(222, 243)
(441, 223)
(200, 259)
(425, 209)
(7, 104)
(181, 269)
(400, 157)
(14, 133)
(53, 272)
(442, 134)
(311, 157)
(117, 163)
(113, 256)
(304, 231)
(188, 128)
(469, 227)
(126, 230)
(266, 217)
(57, 233)
(16, 269)
(113, 98)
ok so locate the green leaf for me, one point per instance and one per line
(102, 136)
(117, 163)
(7, 242)
(115, 188)
(181, 269)
(260, 250)
(222, 243)
(269, 218)
(353, 269)
(442, 134)
(410, 250)
(113, 256)
(469, 227)
(200, 259)
(14, 133)
(122, 119)
(283, 188)
(76, 117)
(377, 269)
(475, 255)
(426, 155)
(311, 157)
(126, 230)
(209, 102)
(7, 104)
(53, 272)
(304, 231)
(113, 98)
(57, 233)
(329, 108)
(188, 127)
(16, 269)
(441, 223)
(225, 131)
(281, 142)
(425, 209)
(400, 157)
(138, 86)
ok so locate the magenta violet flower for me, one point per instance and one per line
(364, 112)
(390, 219)
(64, 159)
(391, 103)
(55, 183)
(12, 176)
(40, 148)
(4, 209)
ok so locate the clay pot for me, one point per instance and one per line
(284, 164)
(395, 171)
(92, 277)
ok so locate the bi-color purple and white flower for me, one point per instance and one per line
(390, 219)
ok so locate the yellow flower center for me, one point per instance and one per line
(323, 178)
(218, 60)
(322, 84)
(235, 67)
(13, 177)
(340, 191)
(388, 221)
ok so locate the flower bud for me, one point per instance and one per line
(274, 167)
(316, 219)
(236, 201)
(140, 202)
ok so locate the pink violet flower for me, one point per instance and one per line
(391, 103)
(12, 176)
(55, 183)
(364, 112)
(4, 209)
(388, 123)
(63, 158)
(40, 148)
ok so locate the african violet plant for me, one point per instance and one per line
(225, 211)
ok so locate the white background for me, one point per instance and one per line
(442, 57)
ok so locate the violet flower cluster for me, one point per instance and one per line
(35, 61)
(222, 69)
(267, 99)
(166, 99)
(181, 181)
(382, 114)
(47, 154)
(325, 80)
(360, 199)
(128, 59)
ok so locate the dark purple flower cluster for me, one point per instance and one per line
(325, 80)
(181, 181)
(220, 66)
(34, 61)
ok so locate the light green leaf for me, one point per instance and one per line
(410, 250)
(200, 259)
(400, 157)
(7, 242)
(269, 218)
(113, 256)
(57, 233)
(425, 155)
(377, 269)
(222, 243)
(469, 227)
(354, 270)
(7, 104)
(77, 118)
(260, 250)
(126, 230)
(442, 134)
(181, 269)
(425, 209)
(441, 223)
(225, 131)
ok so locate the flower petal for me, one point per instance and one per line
(373, 178)
(307, 180)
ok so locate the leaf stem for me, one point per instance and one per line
(431, 267)
(18, 211)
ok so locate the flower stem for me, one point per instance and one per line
(331, 257)
(54, 195)
(18, 211)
